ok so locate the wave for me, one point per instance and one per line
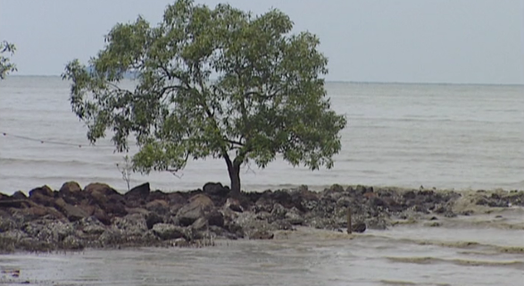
(460, 262)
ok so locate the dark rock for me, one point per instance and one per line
(358, 227)
(36, 212)
(19, 195)
(138, 194)
(152, 219)
(44, 190)
(409, 195)
(282, 197)
(157, 195)
(262, 235)
(198, 206)
(215, 218)
(160, 207)
(377, 202)
(176, 199)
(72, 213)
(109, 200)
(70, 187)
(42, 196)
(101, 215)
(72, 193)
(215, 189)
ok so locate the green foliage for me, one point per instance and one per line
(5, 62)
(210, 82)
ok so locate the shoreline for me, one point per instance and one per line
(97, 216)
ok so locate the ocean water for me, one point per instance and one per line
(407, 135)
(444, 136)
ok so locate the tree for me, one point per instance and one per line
(5, 62)
(210, 82)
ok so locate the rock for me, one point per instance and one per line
(71, 212)
(167, 231)
(215, 218)
(36, 212)
(279, 211)
(200, 224)
(215, 189)
(262, 235)
(101, 215)
(152, 219)
(131, 225)
(109, 200)
(283, 198)
(44, 191)
(160, 207)
(70, 187)
(73, 243)
(43, 196)
(176, 199)
(72, 193)
(294, 217)
(19, 195)
(358, 227)
(138, 194)
(234, 205)
(157, 195)
(198, 206)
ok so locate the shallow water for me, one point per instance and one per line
(307, 257)
(444, 136)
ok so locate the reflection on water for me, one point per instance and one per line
(404, 255)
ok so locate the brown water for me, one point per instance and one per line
(444, 136)
(457, 253)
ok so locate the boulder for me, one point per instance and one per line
(131, 225)
(160, 207)
(215, 189)
(157, 195)
(109, 200)
(138, 194)
(152, 219)
(198, 206)
(72, 213)
(234, 205)
(19, 195)
(72, 193)
(37, 211)
(166, 231)
(42, 196)
(70, 187)
(262, 234)
(215, 218)
(358, 227)
(176, 199)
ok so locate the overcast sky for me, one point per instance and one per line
(453, 41)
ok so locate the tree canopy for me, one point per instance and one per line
(210, 82)
(5, 62)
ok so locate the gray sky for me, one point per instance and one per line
(454, 41)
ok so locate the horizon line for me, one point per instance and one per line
(349, 81)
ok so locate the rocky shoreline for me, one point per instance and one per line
(98, 216)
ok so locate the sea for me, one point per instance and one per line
(444, 136)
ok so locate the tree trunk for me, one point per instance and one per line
(234, 175)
